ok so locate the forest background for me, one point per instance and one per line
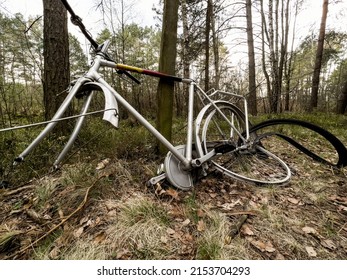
(258, 49)
(284, 44)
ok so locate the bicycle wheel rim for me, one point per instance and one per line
(250, 163)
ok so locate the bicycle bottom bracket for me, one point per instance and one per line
(175, 174)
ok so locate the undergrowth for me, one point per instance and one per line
(123, 218)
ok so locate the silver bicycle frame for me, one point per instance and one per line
(112, 98)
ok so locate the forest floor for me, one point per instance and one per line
(101, 208)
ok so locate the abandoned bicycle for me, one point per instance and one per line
(219, 138)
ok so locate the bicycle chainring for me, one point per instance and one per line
(175, 174)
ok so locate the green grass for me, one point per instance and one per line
(138, 223)
(139, 211)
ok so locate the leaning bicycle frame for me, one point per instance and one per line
(93, 80)
(181, 161)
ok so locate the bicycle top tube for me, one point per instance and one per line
(151, 73)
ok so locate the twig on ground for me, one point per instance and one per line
(16, 191)
(82, 204)
(236, 228)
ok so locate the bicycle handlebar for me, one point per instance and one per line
(76, 20)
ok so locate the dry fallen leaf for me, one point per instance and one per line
(309, 230)
(259, 245)
(99, 238)
(84, 220)
(173, 193)
(54, 253)
(34, 216)
(245, 229)
(170, 231)
(279, 256)
(269, 247)
(163, 239)
(311, 252)
(103, 164)
(188, 237)
(329, 244)
(213, 195)
(79, 232)
(61, 214)
(159, 190)
(293, 200)
(200, 213)
(230, 206)
(201, 226)
(186, 222)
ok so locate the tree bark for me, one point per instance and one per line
(186, 58)
(319, 57)
(215, 40)
(264, 35)
(288, 69)
(167, 62)
(56, 56)
(342, 101)
(209, 12)
(252, 89)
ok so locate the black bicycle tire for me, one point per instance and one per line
(331, 138)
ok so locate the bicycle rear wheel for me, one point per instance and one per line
(224, 129)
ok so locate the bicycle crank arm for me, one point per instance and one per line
(155, 180)
(218, 150)
(201, 160)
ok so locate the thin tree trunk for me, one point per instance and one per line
(319, 57)
(186, 58)
(265, 34)
(167, 62)
(215, 52)
(288, 64)
(207, 43)
(342, 101)
(252, 92)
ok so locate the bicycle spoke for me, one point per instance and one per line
(240, 159)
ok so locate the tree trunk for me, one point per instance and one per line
(319, 57)
(215, 52)
(167, 64)
(342, 101)
(264, 34)
(209, 12)
(288, 69)
(252, 89)
(56, 56)
(186, 58)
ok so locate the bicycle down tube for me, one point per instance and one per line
(94, 77)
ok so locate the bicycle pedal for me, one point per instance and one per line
(155, 180)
